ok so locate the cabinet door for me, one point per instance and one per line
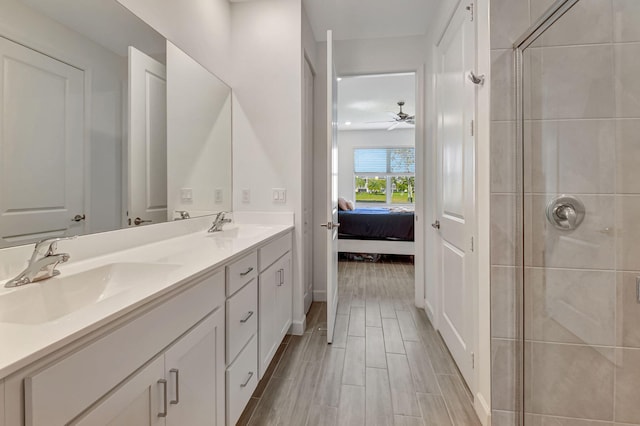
(137, 402)
(268, 316)
(195, 372)
(284, 297)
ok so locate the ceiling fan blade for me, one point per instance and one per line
(394, 125)
(394, 116)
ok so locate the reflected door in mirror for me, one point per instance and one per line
(147, 139)
(41, 146)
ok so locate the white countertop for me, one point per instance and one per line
(193, 254)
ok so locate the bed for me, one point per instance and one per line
(376, 230)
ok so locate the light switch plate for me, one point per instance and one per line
(279, 195)
(218, 195)
(246, 196)
(186, 194)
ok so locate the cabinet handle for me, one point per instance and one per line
(245, 319)
(163, 382)
(279, 272)
(246, 382)
(177, 400)
(281, 276)
(245, 273)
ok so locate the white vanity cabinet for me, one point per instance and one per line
(113, 378)
(191, 355)
(275, 298)
(179, 387)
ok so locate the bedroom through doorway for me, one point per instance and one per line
(377, 171)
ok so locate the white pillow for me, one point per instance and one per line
(342, 204)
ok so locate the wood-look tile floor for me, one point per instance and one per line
(386, 366)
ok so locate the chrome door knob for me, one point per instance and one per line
(137, 221)
(78, 218)
(436, 224)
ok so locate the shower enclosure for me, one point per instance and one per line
(578, 125)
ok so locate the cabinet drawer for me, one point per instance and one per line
(241, 272)
(242, 379)
(242, 318)
(60, 392)
(274, 251)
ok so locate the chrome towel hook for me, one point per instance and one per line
(476, 79)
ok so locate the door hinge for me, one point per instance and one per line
(473, 360)
(471, 244)
(470, 9)
(472, 127)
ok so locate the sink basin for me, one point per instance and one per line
(240, 232)
(54, 298)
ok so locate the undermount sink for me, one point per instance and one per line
(240, 232)
(48, 300)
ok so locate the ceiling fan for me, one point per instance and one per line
(398, 118)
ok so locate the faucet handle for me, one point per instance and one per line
(51, 243)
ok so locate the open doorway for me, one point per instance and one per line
(377, 188)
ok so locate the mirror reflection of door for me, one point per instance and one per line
(147, 139)
(41, 146)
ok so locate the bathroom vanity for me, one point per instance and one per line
(174, 332)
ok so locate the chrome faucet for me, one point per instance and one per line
(183, 215)
(42, 264)
(219, 222)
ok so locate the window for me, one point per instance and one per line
(384, 175)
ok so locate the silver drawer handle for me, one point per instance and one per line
(247, 272)
(246, 382)
(163, 382)
(245, 319)
(177, 400)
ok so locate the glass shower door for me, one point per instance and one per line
(580, 134)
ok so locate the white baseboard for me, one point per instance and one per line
(482, 410)
(319, 295)
(298, 326)
(429, 310)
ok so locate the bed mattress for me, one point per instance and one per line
(376, 224)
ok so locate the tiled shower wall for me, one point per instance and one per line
(582, 336)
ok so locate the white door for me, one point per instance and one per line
(332, 190)
(139, 401)
(456, 196)
(268, 316)
(195, 374)
(147, 139)
(41, 146)
(307, 206)
(284, 297)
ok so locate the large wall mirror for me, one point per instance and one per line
(104, 124)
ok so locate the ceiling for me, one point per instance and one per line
(363, 99)
(358, 19)
(105, 22)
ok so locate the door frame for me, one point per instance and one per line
(307, 148)
(481, 300)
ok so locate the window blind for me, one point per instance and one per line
(384, 160)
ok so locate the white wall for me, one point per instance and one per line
(348, 140)
(104, 73)
(358, 57)
(267, 123)
(198, 136)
